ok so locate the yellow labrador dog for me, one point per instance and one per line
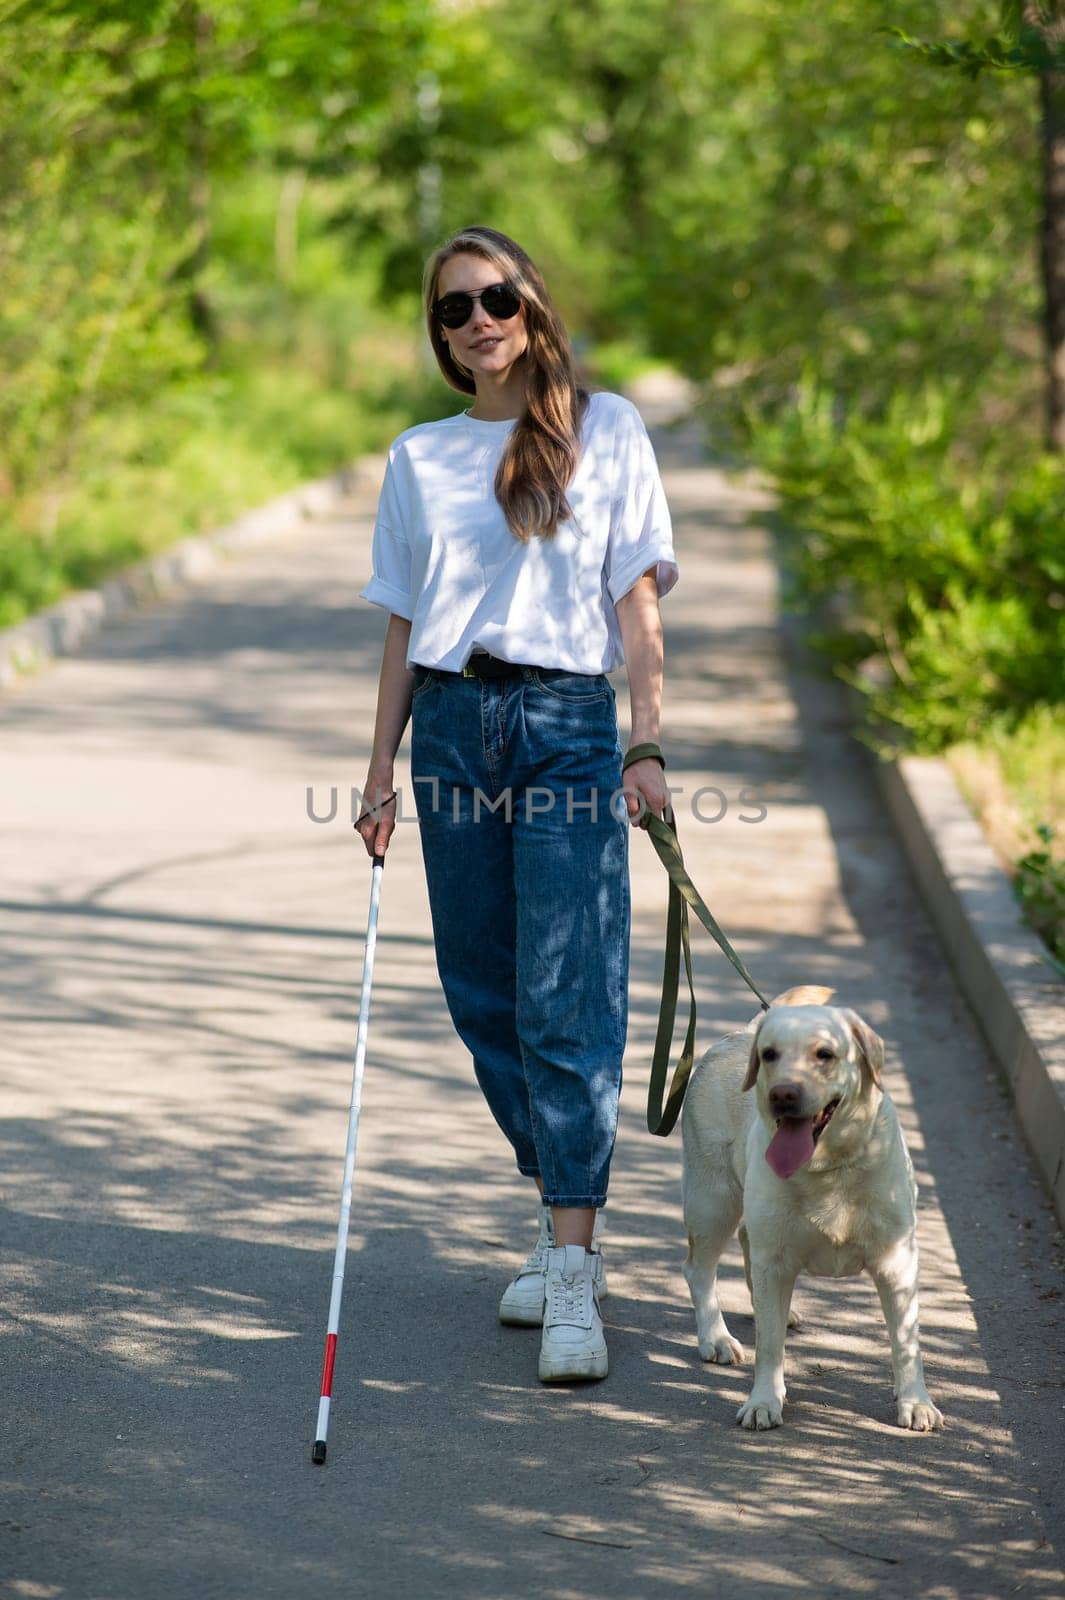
(813, 1169)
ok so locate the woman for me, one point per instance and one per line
(521, 547)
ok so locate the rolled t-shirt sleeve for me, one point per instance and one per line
(641, 530)
(390, 585)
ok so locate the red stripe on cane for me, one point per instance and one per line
(327, 1366)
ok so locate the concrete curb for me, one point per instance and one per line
(26, 646)
(1018, 999)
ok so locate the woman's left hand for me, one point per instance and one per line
(645, 790)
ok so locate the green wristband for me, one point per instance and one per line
(640, 752)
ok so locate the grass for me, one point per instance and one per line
(1015, 786)
(205, 452)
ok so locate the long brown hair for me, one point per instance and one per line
(543, 447)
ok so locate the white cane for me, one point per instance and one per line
(318, 1452)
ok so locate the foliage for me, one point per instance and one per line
(213, 211)
(955, 576)
(1032, 762)
(739, 189)
(1040, 887)
(169, 284)
(1023, 43)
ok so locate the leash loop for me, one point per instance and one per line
(682, 894)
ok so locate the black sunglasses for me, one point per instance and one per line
(500, 300)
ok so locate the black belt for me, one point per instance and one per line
(482, 665)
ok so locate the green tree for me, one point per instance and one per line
(1030, 40)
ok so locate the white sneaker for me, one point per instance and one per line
(522, 1305)
(573, 1343)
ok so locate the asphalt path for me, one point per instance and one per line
(180, 954)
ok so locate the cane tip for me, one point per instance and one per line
(318, 1453)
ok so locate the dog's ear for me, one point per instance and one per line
(870, 1047)
(752, 1060)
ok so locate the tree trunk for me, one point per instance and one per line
(1052, 227)
(200, 28)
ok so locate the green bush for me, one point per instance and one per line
(204, 453)
(953, 570)
(1040, 887)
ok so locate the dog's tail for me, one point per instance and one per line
(805, 994)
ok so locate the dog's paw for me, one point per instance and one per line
(725, 1350)
(919, 1415)
(761, 1411)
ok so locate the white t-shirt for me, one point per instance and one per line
(444, 557)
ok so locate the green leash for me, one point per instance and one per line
(682, 894)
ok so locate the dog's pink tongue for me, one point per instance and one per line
(791, 1146)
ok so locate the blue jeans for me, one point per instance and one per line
(525, 840)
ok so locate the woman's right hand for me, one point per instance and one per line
(394, 694)
(375, 826)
